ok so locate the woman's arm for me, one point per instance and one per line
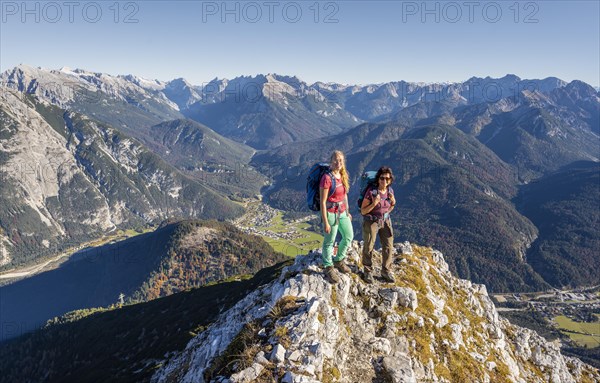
(368, 205)
(323, 193)
(392, 202)
(347, 206)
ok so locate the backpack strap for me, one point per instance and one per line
(333, 183)
(368, 190)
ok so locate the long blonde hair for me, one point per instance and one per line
(343, 172)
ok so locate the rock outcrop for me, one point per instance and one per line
(427, 327)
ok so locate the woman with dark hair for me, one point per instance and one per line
(377, 204)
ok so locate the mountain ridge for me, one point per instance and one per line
(288, 323)
(429, 327)
(320, 108)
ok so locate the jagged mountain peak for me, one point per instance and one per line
(269, 78)
(554, 81)
(333, 86)
(24, 68)
(144, 82)
(24, 77)
(90, 93)
(79, 72)
(75, 72)
(511, 77)
(86, 77)
(428, 326)
(215, 85)
(181, 92)
(180, 81)
(580, 88)
(259, 81)
(284, 78)
(506, 77)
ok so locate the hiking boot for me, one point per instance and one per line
(342, 267)
(388, 277)
(332, 275)
(368, 277)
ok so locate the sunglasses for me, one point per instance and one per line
(385, 178)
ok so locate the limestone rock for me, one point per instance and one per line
(407, 297)
(354, 332)
(399, 369)
(278, 354)
(247, 375)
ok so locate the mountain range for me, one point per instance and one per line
(263, 111)
(143, 150)
(502, 175)
(459, 168)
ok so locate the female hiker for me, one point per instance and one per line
(379, 201)
(335, 216)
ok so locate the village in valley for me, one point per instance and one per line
(574, 312)
(291, 237)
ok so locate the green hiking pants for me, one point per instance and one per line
(344, 226)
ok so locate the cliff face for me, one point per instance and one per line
(66, 179)
(428, 327)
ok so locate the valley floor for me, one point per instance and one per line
(290, 237)
(574, 313)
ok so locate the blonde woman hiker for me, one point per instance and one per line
(335, 216)
(376, 206)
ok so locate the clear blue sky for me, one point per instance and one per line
(354, 42)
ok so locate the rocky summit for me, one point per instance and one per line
(429, 326)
